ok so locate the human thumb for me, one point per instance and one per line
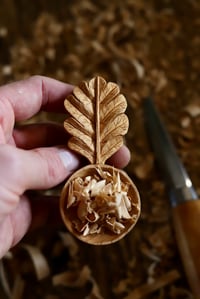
(40, 168)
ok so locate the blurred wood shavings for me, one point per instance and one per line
(146, 47)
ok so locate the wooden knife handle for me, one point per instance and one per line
(186, 217)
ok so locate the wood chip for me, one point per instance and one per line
(159, 283)
(4, 280)
(18, 288)
(40, 263)
(70, 243)
(193, 110)
(72, 279)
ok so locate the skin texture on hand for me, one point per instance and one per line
(33, 157)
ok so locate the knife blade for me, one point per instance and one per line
(183, 197)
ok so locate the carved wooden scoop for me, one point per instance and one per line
(99, 204)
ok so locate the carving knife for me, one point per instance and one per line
(183, 197)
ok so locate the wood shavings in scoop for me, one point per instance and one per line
(100, 202)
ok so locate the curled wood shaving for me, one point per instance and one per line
(158, 80)
(185, 122)
(193, 110)
(95, 292)
(151, 272)
(18, 289)
(4, 280)
(3, 32)
(159, 239)
(40, 263)
(6, 70)
(70, 243)
(143, 168)
(78, 279)
(159, 283)
(179, 292)
(149, 253)
(72, 279)
(101, 203)
(138, 68)
(121, 286)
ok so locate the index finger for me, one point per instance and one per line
(29, 96)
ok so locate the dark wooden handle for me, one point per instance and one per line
(186, 218)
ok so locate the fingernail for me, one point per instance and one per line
(70, 161)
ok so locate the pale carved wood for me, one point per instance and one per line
(97, 123)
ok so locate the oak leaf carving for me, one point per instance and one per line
(97, 123)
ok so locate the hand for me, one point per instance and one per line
(31, 157)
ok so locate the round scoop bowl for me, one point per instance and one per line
(69, 211)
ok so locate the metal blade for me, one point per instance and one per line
(176, 177)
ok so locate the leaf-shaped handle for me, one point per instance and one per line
(97, 123)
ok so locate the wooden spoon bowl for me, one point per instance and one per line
(105, 236)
